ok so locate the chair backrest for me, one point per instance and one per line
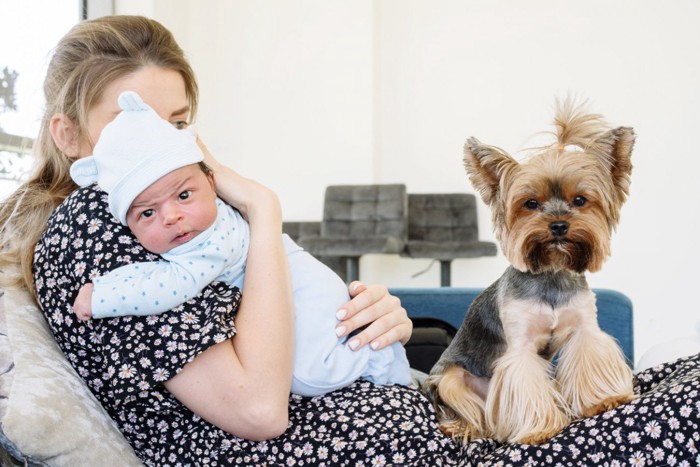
(442, 217)
(300, 229)
(365, 211)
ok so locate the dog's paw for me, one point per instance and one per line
(537, 438)
(609, 403)
(540, 429)
(459, 430)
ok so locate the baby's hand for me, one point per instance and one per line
(83, 303)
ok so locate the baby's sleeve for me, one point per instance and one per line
(149, 288)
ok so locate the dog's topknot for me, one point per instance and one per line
(575, 126)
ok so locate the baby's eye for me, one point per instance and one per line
(532, 204)
(185, 194)
(579, 201)
(147, 213)
(180, 124)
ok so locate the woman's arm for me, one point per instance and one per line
(374, 306)
(242, 385)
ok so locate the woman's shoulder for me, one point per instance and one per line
(82, 210)
(82, 217)
(89, 198)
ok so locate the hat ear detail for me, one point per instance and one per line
(130, 101)
(84, 171)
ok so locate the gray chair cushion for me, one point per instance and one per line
(444, 227)
(361, 219)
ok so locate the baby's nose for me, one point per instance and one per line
(171, 214)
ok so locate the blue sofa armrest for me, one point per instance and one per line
(451, 303)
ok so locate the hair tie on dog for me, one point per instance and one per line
(84, 171)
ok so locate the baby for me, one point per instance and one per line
(159, 187)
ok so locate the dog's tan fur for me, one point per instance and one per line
(581, 180)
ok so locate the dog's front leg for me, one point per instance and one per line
(523, 404)
(592, 372)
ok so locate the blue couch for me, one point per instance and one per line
(450, 304)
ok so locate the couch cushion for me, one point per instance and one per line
(49, 415)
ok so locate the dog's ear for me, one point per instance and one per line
(485, 166)
(616, 146)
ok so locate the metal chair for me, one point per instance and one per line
(444, 227)
(359, 220)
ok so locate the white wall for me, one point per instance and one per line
(305, 93)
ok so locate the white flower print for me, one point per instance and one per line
(686, 411)
(637, 459)
(79, 269)
(161, 374)
(126, 371)
(125, 240)
(94, 225)
(653, 429)
(515, 455)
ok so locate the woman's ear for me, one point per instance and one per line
(65, 135)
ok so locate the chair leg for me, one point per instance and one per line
(352, 266)
(445, 273)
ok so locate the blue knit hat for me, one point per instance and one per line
(134, 151)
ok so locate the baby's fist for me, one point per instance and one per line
(82, 307)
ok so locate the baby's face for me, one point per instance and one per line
(175, 209)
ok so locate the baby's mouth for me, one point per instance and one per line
(183, 237)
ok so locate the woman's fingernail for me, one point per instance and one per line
(340, 314)
(354, 343)
(375, 345)
(355, 285)
(339, 331)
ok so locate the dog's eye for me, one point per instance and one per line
(579, 201)
(532, 204)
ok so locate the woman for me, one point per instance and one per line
(181, 375)
(180, 387)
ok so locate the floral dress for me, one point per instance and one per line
(124, 361)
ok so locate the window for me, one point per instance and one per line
(28, 32)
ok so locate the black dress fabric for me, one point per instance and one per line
(124, 362)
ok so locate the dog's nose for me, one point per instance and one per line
(559, 228)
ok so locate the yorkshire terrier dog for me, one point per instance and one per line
(553, 215)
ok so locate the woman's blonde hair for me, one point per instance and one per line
(91, 56)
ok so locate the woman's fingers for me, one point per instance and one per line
(208, 157)
(382, 315)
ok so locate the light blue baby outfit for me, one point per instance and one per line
(322, 361)
(136, 149)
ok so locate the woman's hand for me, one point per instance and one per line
(246, 195)
(387, 320)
